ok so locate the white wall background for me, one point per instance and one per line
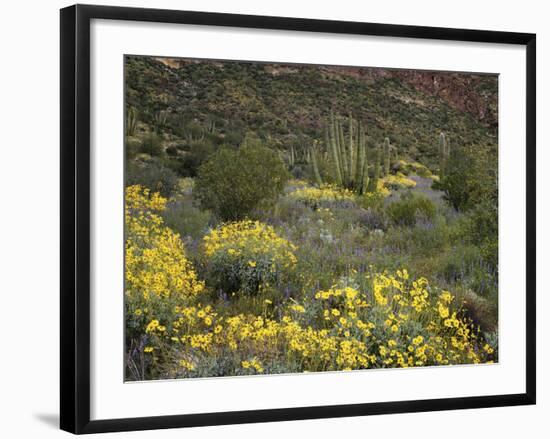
(29, 186)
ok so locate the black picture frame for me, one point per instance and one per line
(75, 217)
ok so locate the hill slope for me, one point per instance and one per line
(290, 104)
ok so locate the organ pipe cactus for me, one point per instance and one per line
(362, 163)
(387, 156)
(131, 121)
(444, 153)
(346, 150)
(292, 158)
(159, 120)
(376, 176)
(316, 172)
(349, 155)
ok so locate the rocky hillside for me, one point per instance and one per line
(290, 104)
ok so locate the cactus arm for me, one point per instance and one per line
(442, 154)
(316, 172)
(342, 152)
(376, 176)
(365, 173)
(131, 121)
(334, 149)
(387, 153)
(351, 157)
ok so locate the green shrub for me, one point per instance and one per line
(187, 220)
(470, 177)
(479, 227)
(198, 151)
(152, 175)
(425, 239)
(287, 211)
(172, 150)
(460, 263)
(409, 208)
(482, 230)
(234, 183)
(132, 147)
(372, 200)
(151, 144)
(372, 219)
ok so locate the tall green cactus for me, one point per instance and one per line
(362, 162)
(342, 151)
(349, 154)
(376, 175)
(387, 156)
(131, 121)
(444, 153)
(159, 120)
(316, 172)
(352, 167)
(332, 139)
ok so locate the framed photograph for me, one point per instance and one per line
(268, 218)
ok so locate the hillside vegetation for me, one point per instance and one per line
(288, 105)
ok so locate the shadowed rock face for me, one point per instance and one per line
(473, 93)
(462, 92)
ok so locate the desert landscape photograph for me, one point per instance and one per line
(286, 218)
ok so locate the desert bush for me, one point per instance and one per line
(287, 211)
(481, 228)
(243, 256)
(151, 143)
(153, 175)
(460, 262)
(426, 238)
(197, 152)
(470, 177)
(409, 208)
(466, 264)
(172, 150)
(132, 147)
(186, 219)
(234, 183)
(429, 236)
(373, 219)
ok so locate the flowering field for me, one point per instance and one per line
(332, 253)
